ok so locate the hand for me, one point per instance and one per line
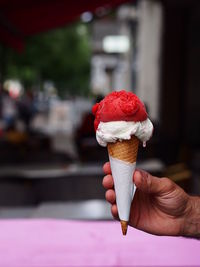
(159, 206)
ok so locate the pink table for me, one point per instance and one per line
(59, 243)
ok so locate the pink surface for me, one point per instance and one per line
(59, 243)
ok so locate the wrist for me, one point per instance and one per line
(192, 218)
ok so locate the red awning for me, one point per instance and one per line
(22, 18)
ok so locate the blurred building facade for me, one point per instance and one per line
(160, 64)
(126, 52)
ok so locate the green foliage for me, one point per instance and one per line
(62, 56)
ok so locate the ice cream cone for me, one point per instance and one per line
(123, 155)
(121, 121)
(125, 150)
(124, 226)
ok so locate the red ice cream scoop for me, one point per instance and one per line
(119, 106)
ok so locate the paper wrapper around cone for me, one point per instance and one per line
(122, 156)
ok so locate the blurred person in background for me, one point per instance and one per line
(159, 206)
(8, 110)
(86, 137)
(26, 110)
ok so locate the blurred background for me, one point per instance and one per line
(56, 60)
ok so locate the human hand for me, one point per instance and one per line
(159, 206)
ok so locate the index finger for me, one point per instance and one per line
(106, 168)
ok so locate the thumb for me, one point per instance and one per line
(148, 183)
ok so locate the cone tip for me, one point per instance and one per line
(124, 226)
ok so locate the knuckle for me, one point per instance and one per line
(148, 180)
(167, 183)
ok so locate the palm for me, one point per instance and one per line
(160, 213)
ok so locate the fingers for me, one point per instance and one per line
(110, 196)
(151, 184)
(106, 168)
(108, 182)
(114, 211)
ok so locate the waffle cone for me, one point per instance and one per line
(125, 150)
(124, 226)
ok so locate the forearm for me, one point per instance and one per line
(192, 218)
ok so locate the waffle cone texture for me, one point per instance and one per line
(125, 150)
